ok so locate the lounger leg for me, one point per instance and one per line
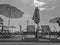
(23, 37)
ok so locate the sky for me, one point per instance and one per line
(27, 6)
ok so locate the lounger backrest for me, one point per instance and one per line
(45, 29)
(31, 28)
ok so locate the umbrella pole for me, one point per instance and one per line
(27, 24)
(9, 19)
(12, 30)
(36, 36)
(9, 22)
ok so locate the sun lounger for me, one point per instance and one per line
(30, 31)
(46, 31)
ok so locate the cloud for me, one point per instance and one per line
(42, 9)
(37, 3)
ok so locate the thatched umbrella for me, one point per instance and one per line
(10, 11)
(55, 20)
